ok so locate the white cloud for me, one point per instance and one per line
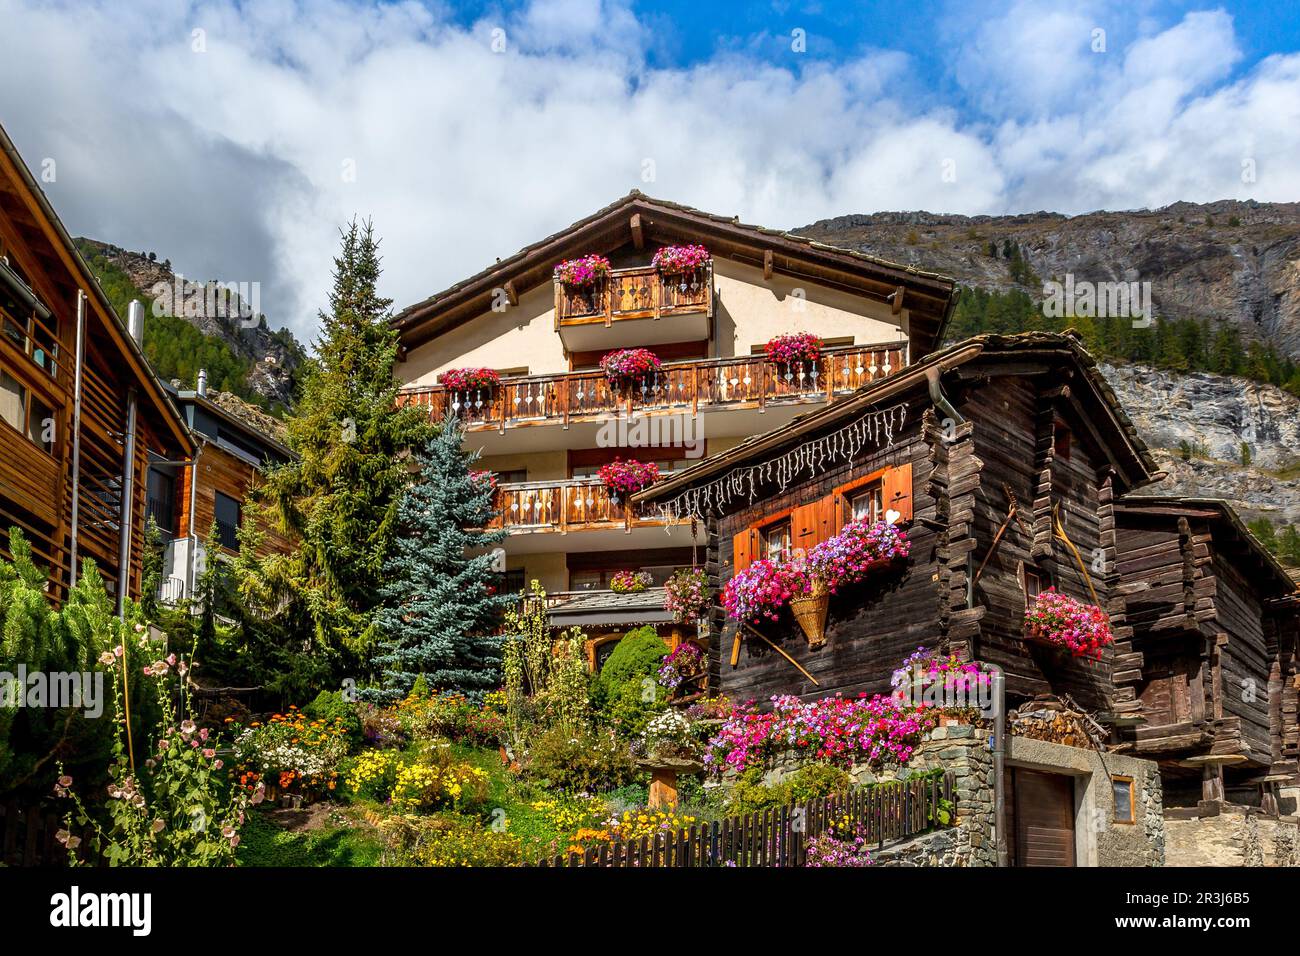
(232, 161)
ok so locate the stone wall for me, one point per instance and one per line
(1232, 836)
(963, 750)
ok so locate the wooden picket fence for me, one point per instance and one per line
(886, 812)
(27, 835)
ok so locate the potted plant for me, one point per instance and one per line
(799, 349)
(685, 663)
(1058, 620)
(625, 367)
(582, 273)
(630, 582)
(845, 559)
(469, 379)
(687, 595)
(628, 477)
(680, 261)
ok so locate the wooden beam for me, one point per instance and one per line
(638, 234)
(896, 301)
(768, 265)
(512, 296)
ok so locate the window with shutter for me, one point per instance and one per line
(744, 545)
(897, 491)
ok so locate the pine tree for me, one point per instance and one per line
(440, 602)
(338, 499)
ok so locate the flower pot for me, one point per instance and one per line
(810, 613)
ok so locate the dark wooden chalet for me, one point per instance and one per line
(1002, 456)
(81, 413)
(1210, 674)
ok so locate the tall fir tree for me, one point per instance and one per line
(441, 601)
(338, 500)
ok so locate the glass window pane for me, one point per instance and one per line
(13, 401)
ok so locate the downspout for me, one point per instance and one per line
(126, 515)
(126, 518)
(194, 538)
(76, 434)
(936, 395)
(999, 765)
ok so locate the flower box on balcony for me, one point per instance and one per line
(582, 273)
(470, 379)
(627, 367)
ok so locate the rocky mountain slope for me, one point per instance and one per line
(241, 352)
(1227, 260)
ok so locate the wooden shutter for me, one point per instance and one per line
(744, 547)
(804, 527)
(896, 488)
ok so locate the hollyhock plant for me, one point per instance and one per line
(630, 582)
(687, 595)
(764, 588)
(628, 477)
(796, 347)
(469, 379)
(673, 260)
(582, 273)
(839, 730)
(1061, 620)
(686, 661)
(629, 365)
(861, 546)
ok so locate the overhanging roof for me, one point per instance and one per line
(1223, 518)
(979, 354)
(12, 164)
(928, 297)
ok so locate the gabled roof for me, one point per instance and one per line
(1226, 525)
(981, 354)
(61, 248)
(929, 297)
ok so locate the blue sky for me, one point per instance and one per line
(234, 136)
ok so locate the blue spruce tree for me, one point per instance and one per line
(440, 603)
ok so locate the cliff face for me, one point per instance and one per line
(1228, 260)
(273, 357)
(1196, 424)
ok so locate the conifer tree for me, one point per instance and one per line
(338, 500)
(441, 604)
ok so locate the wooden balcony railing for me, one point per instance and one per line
(565, 505)
(640, 293)
(740, 382)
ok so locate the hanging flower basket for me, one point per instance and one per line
(625, 478)
(787, 350)
(630, 582)
(684, 664)
(583, 273)
(470, 379)
(687, 595)
(810, 612)
(628, 366)
(761, 590)
(860, 548)
(1058, 620)
(679, 260)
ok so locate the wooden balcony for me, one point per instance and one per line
(636, 307)
(575, 504)
(742, 382)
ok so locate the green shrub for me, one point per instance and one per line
(637, 655)
(330, 705)
(810, 782)
(592, 761)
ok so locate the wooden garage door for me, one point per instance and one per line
(1044, 818)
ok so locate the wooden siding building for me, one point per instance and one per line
(235, 443)
(1210, 674)
(81, 413)
(1001, 456)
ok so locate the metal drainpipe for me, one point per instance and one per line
(999, 765)
(941, 402)
(194, 538)
(76, 436)
(126, 515)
